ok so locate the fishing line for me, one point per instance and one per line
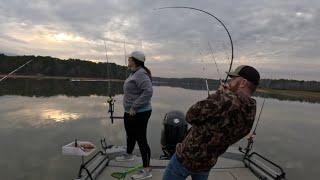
(214, 60)
(203, 69)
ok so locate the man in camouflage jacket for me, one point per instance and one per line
(217, 122)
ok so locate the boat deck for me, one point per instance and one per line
(228, 167)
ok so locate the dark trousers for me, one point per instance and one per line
(136, 129)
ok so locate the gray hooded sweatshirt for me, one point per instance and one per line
(137, 91)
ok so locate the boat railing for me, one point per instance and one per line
(257, 163)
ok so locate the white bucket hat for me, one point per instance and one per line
(138, 55)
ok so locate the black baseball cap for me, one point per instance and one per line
(247, 72)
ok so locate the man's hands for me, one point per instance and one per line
(224, 87)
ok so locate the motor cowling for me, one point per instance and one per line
(173, 132)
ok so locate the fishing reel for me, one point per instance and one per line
(111, 102)
(249, 146)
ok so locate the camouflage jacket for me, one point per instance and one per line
(217, 122)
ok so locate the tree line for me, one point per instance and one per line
(53, 87)
(50, 66)
(199, 84)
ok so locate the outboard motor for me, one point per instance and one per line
(174, 130)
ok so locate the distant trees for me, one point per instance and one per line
(49, 66)
(53, 87)
(286, 84)
(281, 84)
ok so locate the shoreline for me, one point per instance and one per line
(60, 78)
(295, 93)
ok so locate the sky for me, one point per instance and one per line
(278, 37)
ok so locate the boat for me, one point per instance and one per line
(237, 163)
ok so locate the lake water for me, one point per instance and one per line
(38, 117)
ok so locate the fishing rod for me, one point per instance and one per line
(110, 99)
(250, 158)
(254, 131)
(108, 69)
(5, 77)
(253, 134)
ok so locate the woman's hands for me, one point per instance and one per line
(132, 112)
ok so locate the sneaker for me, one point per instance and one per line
(125, 157)
(142, 174)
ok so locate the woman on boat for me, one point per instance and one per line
(137, 105)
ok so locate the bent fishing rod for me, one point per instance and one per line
(213, 16)
(5, 77)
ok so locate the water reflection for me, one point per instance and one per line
(31, 142)
(53, 87)
(58, 115)
(288, 97)
(33, 130)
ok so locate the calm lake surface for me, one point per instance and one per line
(37, 118)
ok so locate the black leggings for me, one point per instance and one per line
(136, 129)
